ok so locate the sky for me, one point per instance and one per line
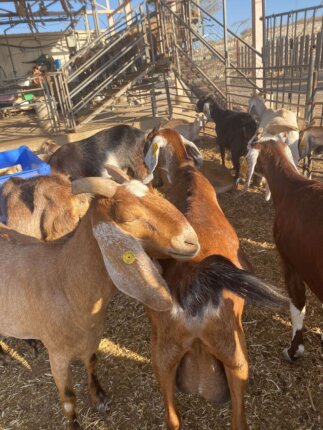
(240, 10)
(238, 13)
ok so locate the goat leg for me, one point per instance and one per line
(62, 376)
(222, 151)
(236, 369)
(165, 361)
(296, 289)
(98, 396)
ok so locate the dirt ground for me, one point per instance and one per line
(280, 396)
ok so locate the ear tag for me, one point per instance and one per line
(129, 257)
(155, 149)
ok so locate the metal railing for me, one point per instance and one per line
(196, 41)
(293, 60)
(101, 69)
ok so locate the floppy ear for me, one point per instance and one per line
(193, 152)
(130, 268)
(152, 156)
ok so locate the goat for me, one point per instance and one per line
(310, 141)
(167, 163)
(276, 121)
(298, 229)
(43, 207)
(58, 291)
(121, 145)
(189, 130)
(200, 343)
(233, 129)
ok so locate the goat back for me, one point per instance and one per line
(121, 146)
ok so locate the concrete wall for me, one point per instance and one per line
(28, 47)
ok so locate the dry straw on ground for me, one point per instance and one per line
(280, 396)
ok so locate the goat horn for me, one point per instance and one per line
(117, 174)
(95, 185)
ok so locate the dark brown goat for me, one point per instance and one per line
(233, 129)
(200, 345)
(298, 231)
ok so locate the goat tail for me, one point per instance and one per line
(215, 274)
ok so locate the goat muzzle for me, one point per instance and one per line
(185, 245)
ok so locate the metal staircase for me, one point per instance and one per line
(207, 57)
(107, 68)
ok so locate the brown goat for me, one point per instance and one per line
(298, 230)
(43, 207)
(199, 344)
(58, 291)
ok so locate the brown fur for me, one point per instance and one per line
(197, 352)
(42, 207)
(58, 291)
(298, 225)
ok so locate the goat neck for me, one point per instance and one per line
(195, 197)
(278, 170)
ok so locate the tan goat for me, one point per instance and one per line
(42, 207)
(58, 291)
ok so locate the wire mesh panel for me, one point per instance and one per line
(293, 61)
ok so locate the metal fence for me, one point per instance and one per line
(293, 61)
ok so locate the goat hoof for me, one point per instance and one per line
(291, 358)
(74, 425)
(103, 403)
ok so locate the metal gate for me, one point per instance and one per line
(293, 62)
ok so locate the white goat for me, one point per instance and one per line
(58, 291)
(272, 122)
(277, 121)
(188, 130)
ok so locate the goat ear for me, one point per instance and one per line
(151, 158)
(193, 152)
(130, 268)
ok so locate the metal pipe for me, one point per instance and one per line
(9, 50)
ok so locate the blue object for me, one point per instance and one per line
(58, 63)
(31, 165)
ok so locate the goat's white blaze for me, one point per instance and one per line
(297, 317)
(136, 188)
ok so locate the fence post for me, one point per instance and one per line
(226, 55)
(310, 88)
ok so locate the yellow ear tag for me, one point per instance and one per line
(155, 149)
(129, 257)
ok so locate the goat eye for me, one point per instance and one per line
(150, 226)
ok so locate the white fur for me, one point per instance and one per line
(297, 318)
(112, 159)
(206, 111)
(68, 407)
(196, 323)
(136, 188)
(160, 140)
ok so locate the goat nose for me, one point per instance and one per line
(186, 243)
